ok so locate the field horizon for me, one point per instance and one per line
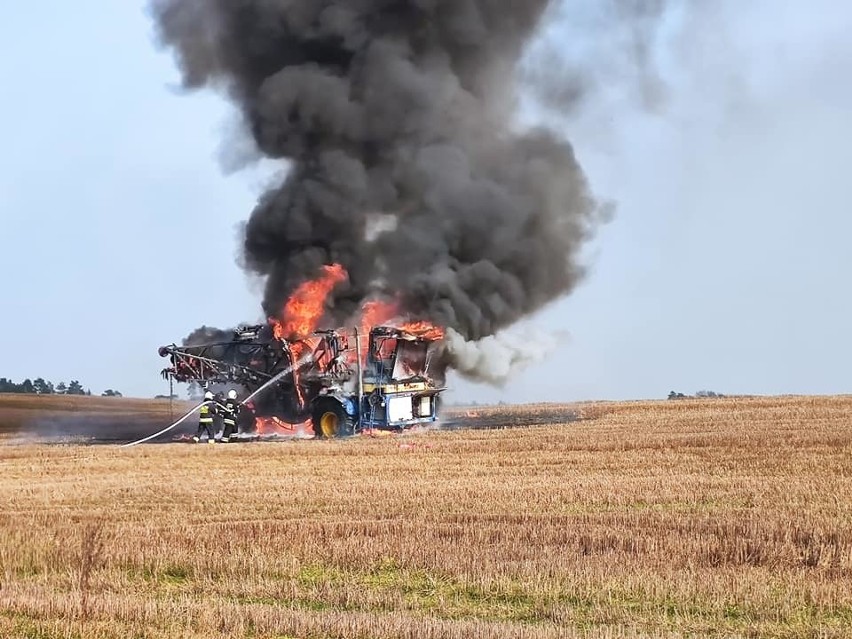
(48, 414)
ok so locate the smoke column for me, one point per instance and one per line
(396, 117)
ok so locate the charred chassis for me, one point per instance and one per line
(342, 385)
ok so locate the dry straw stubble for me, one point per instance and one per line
(723, 517)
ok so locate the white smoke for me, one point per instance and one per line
(496, 358)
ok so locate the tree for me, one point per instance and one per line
(27, 387)
(42, 387)
(75, 388)
(710, 394)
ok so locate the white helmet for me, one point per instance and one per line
(208, 395)
(232, 394)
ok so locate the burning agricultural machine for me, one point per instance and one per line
(331, 378)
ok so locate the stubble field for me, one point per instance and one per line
(693, 518)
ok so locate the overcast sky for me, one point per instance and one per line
(725, 267)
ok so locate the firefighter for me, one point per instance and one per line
(206, 417)
(219, 407)
(230, 413)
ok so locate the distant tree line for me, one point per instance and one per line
(703, 394)
(42, 387)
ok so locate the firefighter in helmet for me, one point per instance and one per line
(230, 414)
(220, 412)
(206, 419)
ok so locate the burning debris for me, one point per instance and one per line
(408, 179)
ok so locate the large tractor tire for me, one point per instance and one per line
(330, 419)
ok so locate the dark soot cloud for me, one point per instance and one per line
(406, 164)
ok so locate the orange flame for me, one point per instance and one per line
(376, 313)
(265, 426)
(298, 351)
(304, 310)
(424, 330)
(381, 313)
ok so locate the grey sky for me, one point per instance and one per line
(723, 269)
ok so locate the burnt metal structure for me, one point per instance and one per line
(342, 385)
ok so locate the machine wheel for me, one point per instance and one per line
(330, 419)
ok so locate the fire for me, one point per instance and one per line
(302, 314)
(376, 313)
(424, 330)
(270, 426)
(265, 426)
(304, 310)
(298, 351)
(379, 313)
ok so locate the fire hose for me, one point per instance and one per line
(269, 383)
(166, 430)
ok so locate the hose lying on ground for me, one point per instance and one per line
(300, 363)
(166, 430)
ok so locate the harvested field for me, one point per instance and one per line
(662, 519)
(492, 417)
(59, 417)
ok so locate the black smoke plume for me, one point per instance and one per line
(406, 164)
(208, 335)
